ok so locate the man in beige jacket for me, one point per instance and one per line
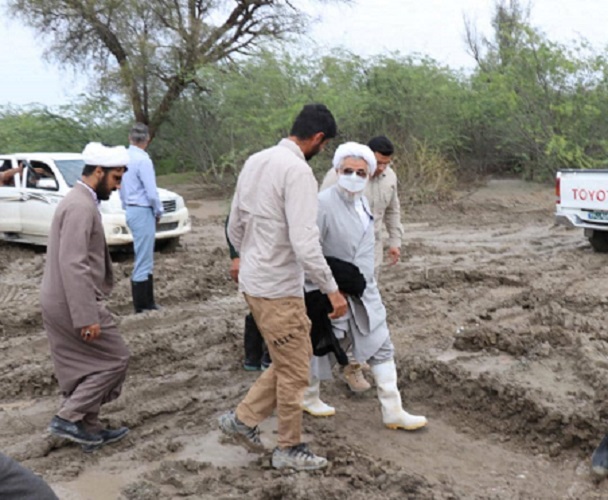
(273, 226)
(383, 197)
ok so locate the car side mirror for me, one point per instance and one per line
(46, 183)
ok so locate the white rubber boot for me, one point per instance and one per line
(393, 414)
(312, 403)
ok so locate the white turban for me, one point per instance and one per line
(357, 150)
(95, 153)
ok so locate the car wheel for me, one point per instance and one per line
(168, 245)
(599, 241)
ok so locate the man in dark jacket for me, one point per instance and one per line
(19, 483)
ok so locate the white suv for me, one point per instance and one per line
(28, 203)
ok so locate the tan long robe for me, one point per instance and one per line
(77, 278)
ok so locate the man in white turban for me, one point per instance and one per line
(346, 229)
(383, 197)
(88, 352)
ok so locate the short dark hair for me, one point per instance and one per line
(88, 170)
(381, 144)
(314, 118)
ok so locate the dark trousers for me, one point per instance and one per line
(256, 351)
(19, 483)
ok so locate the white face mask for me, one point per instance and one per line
(352, 183)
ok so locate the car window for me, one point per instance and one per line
(4, 166)
(37, 171)
(71, 170)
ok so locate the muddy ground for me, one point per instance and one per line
(498, 320)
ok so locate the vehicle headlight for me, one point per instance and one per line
(116, 230)
(179, 203)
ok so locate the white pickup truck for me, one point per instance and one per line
(582, 201)
(28, 202)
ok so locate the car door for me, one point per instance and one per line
(40, 194)
(10, 201)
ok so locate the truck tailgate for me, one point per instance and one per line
(585, 189)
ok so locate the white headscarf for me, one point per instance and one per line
(357, 150)
(95, 153)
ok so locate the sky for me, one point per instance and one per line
(366, 27)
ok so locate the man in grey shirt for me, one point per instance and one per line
(273, 226)
(144, 209)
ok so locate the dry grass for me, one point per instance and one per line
(424, 174)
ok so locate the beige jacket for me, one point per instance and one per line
(381, 193)
(273, 225)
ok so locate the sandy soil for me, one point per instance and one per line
(497, 317)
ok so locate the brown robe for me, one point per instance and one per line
(77, 277)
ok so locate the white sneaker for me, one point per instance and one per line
(297, 457)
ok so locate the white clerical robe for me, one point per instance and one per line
(344, 236)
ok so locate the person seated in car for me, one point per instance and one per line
(8, 172)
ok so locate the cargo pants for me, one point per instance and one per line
(286, 329)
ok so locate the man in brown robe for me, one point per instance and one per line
(88, 352)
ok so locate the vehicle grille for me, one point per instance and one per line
(169, 205)
(167, 226)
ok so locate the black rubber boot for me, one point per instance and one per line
(253, 345)
(139, 290)
(151, 304)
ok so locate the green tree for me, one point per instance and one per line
(536, 105)
(153, 51)
(39, 129)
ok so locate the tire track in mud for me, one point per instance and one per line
(11, 294)
(540, 330)
(522, 381)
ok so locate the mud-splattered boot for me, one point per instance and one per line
(353, 376)
(599, 459)
(393, 414)
(312, 403)
(297, 457)
(247, 436)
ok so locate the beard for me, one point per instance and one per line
(314, 151)
(103, 190)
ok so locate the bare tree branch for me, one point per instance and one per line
(156, 47)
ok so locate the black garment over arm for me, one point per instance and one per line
(233, 253)
(351, 282)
